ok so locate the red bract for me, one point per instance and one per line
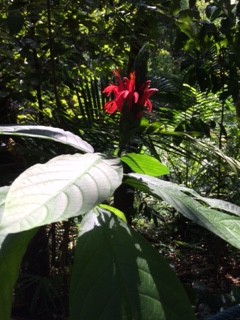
(125, 92)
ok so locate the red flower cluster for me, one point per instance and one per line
(125, 91)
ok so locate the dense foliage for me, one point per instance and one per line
(89, 160)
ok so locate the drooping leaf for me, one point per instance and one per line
(222, 224)
(213, 150)
(118, 275)
(142, 163)
(214, 203)
(64, 187)
(49, 133)
(12, 249)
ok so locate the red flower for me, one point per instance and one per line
(125, 92)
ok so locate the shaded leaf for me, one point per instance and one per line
(12, 249)
(49, 133)
(118, 275)
(222, 224)
(178, 5)
(142, 163)
(64, 187)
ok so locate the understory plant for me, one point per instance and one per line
(116, 274)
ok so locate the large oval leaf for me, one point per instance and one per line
(118, 275)
(49, 133)
(64, 187)
(222, 224)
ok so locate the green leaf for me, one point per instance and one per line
(178, 5)
(189, 26)
(213, 150)
(49, 133)
(64, 187)
(222, 224)
(115, 211)
(214, 203)
(12, 249)
(118, 275)
(142, 163)
(155, 127)
(3, 195)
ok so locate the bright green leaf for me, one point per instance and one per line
(115, 211)
(118, 275)
(142, 163)
(49, 133)
(155, 127)
(64, 187)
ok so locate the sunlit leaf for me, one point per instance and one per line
(214, 203)
(64, 187)
(222, 224)
(49, 133)
(114, 210)
(3, 195)
(142, 163)
(118, 275)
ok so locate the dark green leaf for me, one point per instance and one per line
(118, 275)
(12, 249)
(179, 5)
